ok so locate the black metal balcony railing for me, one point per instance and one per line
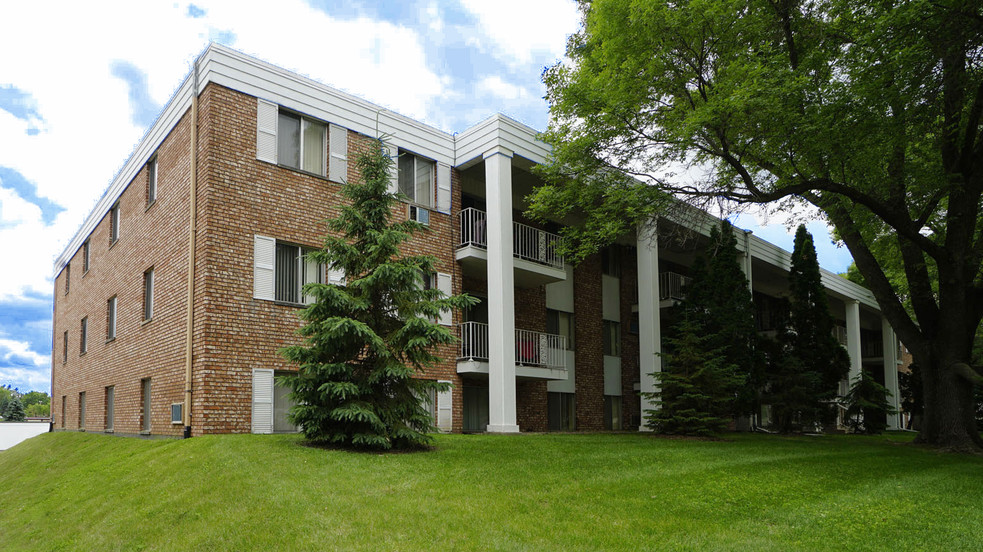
(528, 243)
(537, 349)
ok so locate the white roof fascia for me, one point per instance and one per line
(500, 131)
(254, 77)
(834, 283)
(166, 121)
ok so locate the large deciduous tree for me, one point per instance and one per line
(364, 341)
(870, 112)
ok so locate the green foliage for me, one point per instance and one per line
(696, 385)
(37, 410)
(867, 405)
(365, 340)
(14, 411)
(35, 397)
(870, 112)
(790, 387)
(806, 363)
(910, 387)
(811, 321)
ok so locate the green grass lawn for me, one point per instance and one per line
(72, 491)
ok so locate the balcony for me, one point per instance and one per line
(538, 355)
(671, 289)
(534, 251)
(672, 286)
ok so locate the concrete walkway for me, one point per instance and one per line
(12, 433)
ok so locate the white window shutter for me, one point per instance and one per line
(445, 286)
(445, 410)
(264, 267)
(393, 153)
(336, 276)
(266, 118)
(262, 400)
(444, 188)
(312, 274)
(338, 153)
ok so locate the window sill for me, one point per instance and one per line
(149, 205)
(289, 304)
(110, 340)
(107, 431)
(147, 321)
(302, 171)
(84, 273)
(144, 432)
(82, 354)
(113, 242)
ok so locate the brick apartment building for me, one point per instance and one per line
(173, 298)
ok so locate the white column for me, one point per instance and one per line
(890, 346)
(649, 325)
(853, 337)
(501, 304)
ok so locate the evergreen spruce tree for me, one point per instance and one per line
(718, 301)
(813, 342)
(867, 405)
(365, 340)
(696, 385)
(789, 389)
(15, 410)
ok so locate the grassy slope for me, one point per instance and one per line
(73, 491)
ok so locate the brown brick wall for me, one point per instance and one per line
(587, 306)
(239, 197)
(244, 197)
(629, 341)
(149, 236)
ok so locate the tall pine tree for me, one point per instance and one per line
(810, 341)
(719, 301)
(365, 340)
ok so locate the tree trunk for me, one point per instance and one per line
(949, 421)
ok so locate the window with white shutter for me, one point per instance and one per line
(444, 188)
(262, 411)
(338, 146)
(444, 284)
(264, 267)
(445, 403)
(266, 120)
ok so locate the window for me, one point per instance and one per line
(111, 319)
(300, 143)
(64, 401)
(82, 410)
(64, 347)
(148, 294)
(416, 178)
(151, 181)
(293, 270)
(176, 413)
(611, 261)
(612, 412)
(85, 257)
(84, 336)
(68, 277)
(561, 323)
(145, 404)
(110, 407)
(561, 411)
(611, 338)
(114, 224)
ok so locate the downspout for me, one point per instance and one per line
(192, 227)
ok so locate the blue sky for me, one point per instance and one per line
(73, 109)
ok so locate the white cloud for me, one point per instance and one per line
(495, 86)
(521, 29)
